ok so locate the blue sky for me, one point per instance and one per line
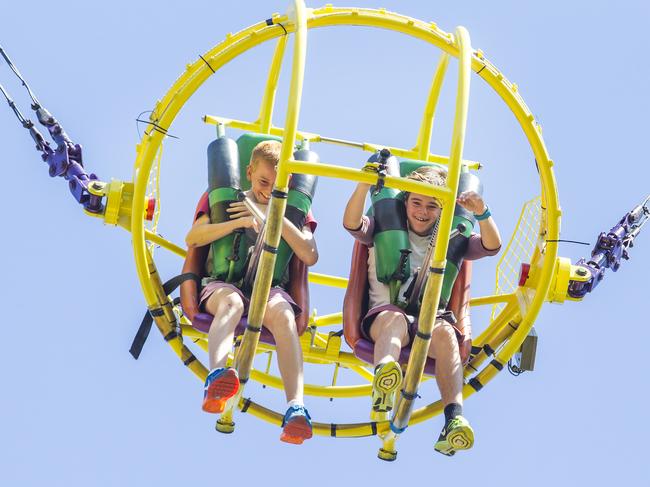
(76, 409)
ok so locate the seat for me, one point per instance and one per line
(355, 307)
(194, 263)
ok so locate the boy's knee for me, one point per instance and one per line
(279, 317)
(443, 333)
(224, 299)
(390, 323)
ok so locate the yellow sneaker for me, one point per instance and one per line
(456, 435)
(388, 378)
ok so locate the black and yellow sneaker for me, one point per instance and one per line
(456, 435)
(388, 378)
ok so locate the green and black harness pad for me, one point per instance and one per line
(390, 234)
(302, 188)
(223, 189)
(458, 246)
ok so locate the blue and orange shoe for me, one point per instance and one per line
(220, 385)
(296, 426)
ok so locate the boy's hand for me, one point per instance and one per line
(472, 201)
(238, 211)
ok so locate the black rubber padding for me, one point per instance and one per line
(498, 365)
(247, 403)
(171, 335)
(476, 384)
(424, 336)
(270, 248)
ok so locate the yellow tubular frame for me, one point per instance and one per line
(431, 296)
(198, 72)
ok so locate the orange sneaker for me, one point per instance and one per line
(296, 426)
(220, 385)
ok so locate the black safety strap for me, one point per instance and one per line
(145, 326)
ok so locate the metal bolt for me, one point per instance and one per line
(581, 272)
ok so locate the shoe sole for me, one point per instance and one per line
(296, 431)
(461, 438)
(219, 391)
(386, 383)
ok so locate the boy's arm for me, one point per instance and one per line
(302, 242)
(352, 217)
(473, 202)
(203, 232)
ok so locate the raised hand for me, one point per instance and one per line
(472, 201)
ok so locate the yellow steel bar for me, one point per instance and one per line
(312, 137)
(326, 280)
(331, 319)
(404, 184)
(165, 244)
(313, 389)
(262, 285)
(431, 298)
(268, 101)
(253, 127)
(494, 299)
(236, 124)
(424, 135)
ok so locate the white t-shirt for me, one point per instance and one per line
(379, 293)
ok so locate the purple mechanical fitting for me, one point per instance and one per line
(66, 161)
(610, 248)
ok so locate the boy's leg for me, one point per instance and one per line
(449, 370)
(221, 384)
(457, 434)
(280, 320)
(227, 308)
(389, 331)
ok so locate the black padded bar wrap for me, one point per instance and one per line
(373, 428)
(270, 248)
(476, 384)
(189, 360)
(497, 365)
(247, 403)
(437, 270)
(488, 349)
(276, 193)
(410, 397)
(171, 335)
(156, 312)
(333, 430)
(424, 336)
(253, 329)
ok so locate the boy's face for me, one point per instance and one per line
(262, 177)
(421, 213)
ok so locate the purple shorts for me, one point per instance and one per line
(411, 321)
(212, 286)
